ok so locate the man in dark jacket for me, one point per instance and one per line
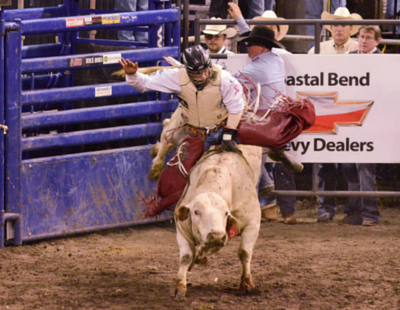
(361, 177)
(368, 38)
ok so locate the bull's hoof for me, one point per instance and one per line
(155, 171)
(247, 286)
(154, 175)
(201, 261)
(180, 292)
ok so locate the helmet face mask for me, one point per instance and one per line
(198, 65)
(200, 78)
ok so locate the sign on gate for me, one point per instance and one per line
(356, 99)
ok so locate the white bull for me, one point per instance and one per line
(220, 201)
(172, 135)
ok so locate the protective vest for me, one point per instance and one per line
(203, 107)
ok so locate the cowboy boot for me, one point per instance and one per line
(289, 218)
(290, 163)
(269, 213)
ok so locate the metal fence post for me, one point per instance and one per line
(2, 31)
(13, 158)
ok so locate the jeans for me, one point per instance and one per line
(328, 174)
(391, 12)
(255, 8)
(314, 8)
(361, 177)
(284, 180)
(269, 5)
(267, 179)
(132, 6)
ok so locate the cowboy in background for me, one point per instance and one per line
(313, 10)
(341, 42)
(267, 68)
(279, 176)
(215, 37)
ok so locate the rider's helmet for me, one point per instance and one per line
(197, 61)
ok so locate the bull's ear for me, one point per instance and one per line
(182, 213)
(232, 226)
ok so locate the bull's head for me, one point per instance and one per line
(211, 222)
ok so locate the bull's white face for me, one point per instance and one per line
(211, 221)
(209, 213)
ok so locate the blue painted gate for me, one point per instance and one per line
(70, 167)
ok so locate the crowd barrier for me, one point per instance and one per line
(70, 168)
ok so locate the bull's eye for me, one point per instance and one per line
(196, 212)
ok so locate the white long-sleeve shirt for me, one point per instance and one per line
(167, 81)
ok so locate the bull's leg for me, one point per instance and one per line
(161, 149)
(185, 261)
(249, 238)
(154, 150)
(159, 161)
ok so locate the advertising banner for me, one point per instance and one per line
(357, 104)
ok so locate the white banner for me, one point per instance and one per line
(357, 103)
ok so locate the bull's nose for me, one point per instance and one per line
(217, 238)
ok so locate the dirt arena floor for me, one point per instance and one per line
(305, 266)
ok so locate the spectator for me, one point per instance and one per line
(215, 37)
(341, 34)
(340, 44)
(368, 39)
(314, 8)
(361, 177)
(132, 6)
(268, 69)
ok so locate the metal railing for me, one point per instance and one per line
(317, 23)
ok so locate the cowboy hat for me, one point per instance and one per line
(342, 13)
(268, 14)
(219, 29)
(261, 35)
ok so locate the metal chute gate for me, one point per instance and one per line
(72, 162)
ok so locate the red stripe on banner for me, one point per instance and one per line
(327, 123)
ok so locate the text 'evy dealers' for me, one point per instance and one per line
(330, 146)
(329, 79)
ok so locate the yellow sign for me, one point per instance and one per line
(110, 19)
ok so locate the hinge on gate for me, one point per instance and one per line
(5, 128)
